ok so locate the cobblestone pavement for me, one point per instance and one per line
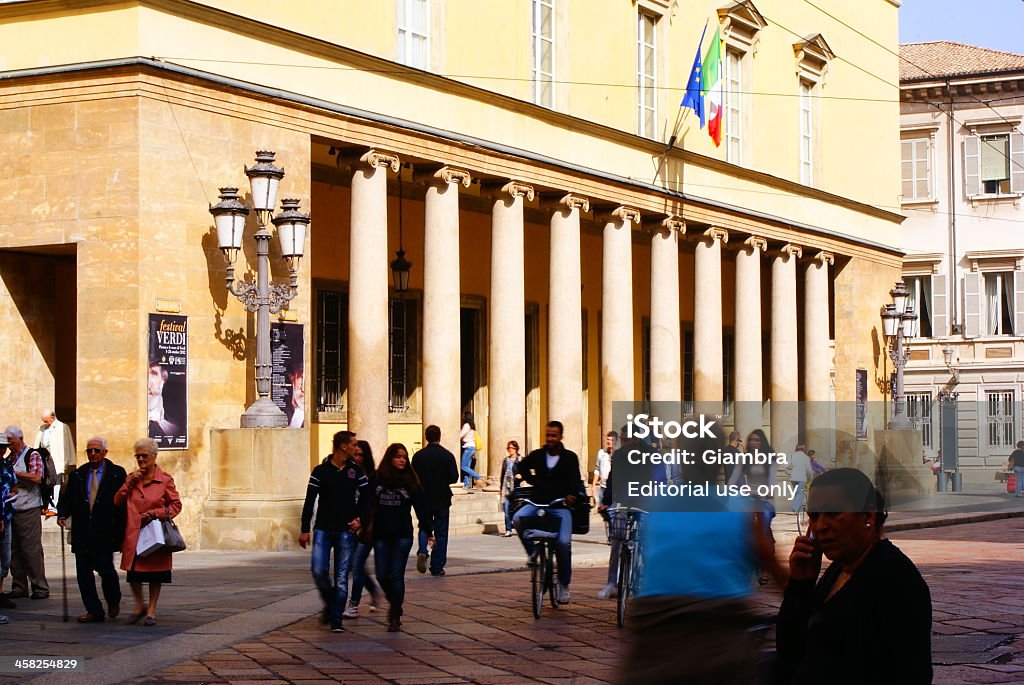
(479, 629)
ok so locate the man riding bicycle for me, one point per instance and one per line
(554, 473)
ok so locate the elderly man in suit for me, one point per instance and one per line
(97, 530)
(55, 437)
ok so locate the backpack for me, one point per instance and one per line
(49, 481)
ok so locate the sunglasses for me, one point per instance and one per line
(143, 456)
(93, 450)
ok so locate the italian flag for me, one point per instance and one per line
(711, 71)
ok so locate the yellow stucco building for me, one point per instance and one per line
(564, 257)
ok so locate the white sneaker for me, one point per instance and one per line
(608, 591)
(350, 612)
(3, 619)
(563, 594)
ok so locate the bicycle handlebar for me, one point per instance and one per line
(553, 504)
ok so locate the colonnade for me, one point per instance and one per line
(506, 354)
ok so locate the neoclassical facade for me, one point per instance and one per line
(570, 246)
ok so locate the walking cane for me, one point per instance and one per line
(64, 570)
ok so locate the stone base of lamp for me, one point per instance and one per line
(263, 413)
(258, 484)
(898, 470)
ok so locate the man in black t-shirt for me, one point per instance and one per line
(1016, 463)
(343, 508)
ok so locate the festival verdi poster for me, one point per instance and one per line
(167, 385)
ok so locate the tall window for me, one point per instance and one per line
(806, 133)
(919, 410)
(733, 106)
(687, 372)
(920, 298)
(1000, 419)
(728, 349)
(646, 74)
(916, 169)
(544, 52)
(331, 350)
(995, 163)
(414, 33)
(401, 353)
(999, 303)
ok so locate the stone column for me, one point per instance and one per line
(617, 361)
(666, 374)
(707, 322)
(442, 353)
(784, 389)
(368, 298)
(506, 359)
(748, 392)
(817, 362)
(565, 327)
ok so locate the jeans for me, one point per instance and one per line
(439, 556)
(5, 550)
(1019, 472)
(563, 544)
(467, 466)
(798, 496)
(102, 563)
(508, 516)
(359, 575)
(391, 559)
(343, 544)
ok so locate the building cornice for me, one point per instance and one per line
(294, 40)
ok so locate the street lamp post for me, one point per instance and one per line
(898, 323)
(262, 297)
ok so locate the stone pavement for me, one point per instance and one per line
(231, 617)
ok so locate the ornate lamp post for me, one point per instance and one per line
(899, 325)
(262, 297)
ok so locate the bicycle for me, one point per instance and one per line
(542, 529)
(801, 514)
(624, 526)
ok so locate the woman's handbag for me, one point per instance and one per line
(151, 539)
(173, 542)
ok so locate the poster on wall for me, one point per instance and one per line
(288, 383)
(167, 389)
(862, 404)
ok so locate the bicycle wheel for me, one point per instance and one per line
(801, 519)
(552, 581)
(537, 581)
(623, 586)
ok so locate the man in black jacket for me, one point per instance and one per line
(98, 528)
(437, 470)
(343, 508)
(554, 473)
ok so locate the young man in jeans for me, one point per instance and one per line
(554, 473)
(344, 505)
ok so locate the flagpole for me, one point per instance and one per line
(680, 117)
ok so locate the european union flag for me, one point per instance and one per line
(694, 98)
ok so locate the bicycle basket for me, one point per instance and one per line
(618, 526)
(517, 498)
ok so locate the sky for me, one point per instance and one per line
(994, 24)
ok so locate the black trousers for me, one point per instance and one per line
(102, 563)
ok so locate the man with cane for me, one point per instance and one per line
(98, 529)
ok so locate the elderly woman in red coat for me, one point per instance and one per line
(149, 494)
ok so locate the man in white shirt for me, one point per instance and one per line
(800, 472)
(55, 437)
(603, 466)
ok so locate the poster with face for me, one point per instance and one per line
(288, 383)
(862, 404)
(167, 380)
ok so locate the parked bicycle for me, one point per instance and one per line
(624, 527)
(542, 529)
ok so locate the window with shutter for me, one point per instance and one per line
(972, 305)
(1017, 163)
(940, 307)
(972, 166)
(916, 169)
(1018, 302)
